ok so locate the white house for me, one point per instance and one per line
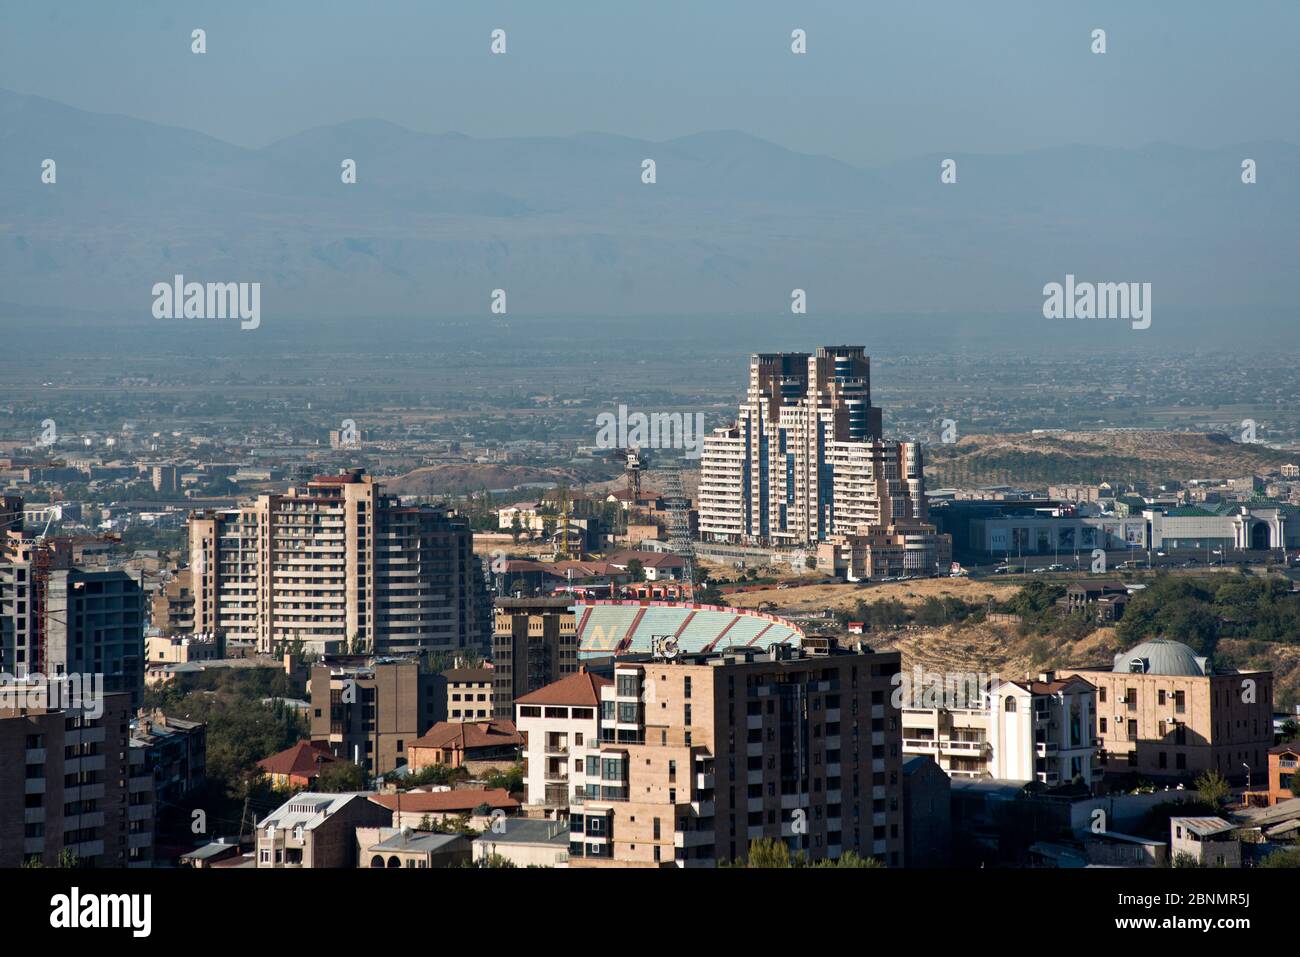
(1043, 730)
(558, 721)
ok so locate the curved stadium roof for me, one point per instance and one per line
(625, 627)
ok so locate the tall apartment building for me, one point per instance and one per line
(368, 710)
(1165, 712)
(337, 564)
(64, 779)
(534, 642)
(56, 619)
(700, 755)
(806, 458)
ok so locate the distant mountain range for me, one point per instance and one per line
(566, 227)
(1070, 457)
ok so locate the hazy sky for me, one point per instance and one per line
(880, 81)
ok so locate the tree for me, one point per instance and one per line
(851, 859)
(1213, 787)
(1288, 858)
(516, 527)
(1295, 784)
(341, 776)
(636, 570)
(768, 852)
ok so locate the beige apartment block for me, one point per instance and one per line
(700, 755)
(534, 642)
(1165, 712)
(906, 548)
(470, 695)
(370, 710)
(338, 566)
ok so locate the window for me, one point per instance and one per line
(1009, 706)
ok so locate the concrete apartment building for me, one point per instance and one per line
(558, 722)
(702, 754)
(1164, 712)
(176, 751)
(337, 564)
(369, 710)
(61, 619)
(806, 459)
(470, 694)
(173, 606)
(64, 783)
(1035, 730)
(534, 642)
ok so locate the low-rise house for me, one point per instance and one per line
(313, 830)
(1208, 841)
(1113, 849)
(1106, 600)
(384, 847)
(212, 853)
(525, 842)
(415, 808)
(477, 745)
(298, 766)
(1283, 766)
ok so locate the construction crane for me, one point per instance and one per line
(678, 506)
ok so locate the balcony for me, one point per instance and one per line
(693, 838)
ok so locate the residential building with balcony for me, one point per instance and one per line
(1035, 730)
(558, 723)
(702, 754)
(369, 710)
(66, 785)
(1043, 731)
(338, 565)
(1281, 783)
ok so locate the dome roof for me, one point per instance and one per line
(1161, 656)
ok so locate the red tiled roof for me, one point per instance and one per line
(454, 801)
(461, 735)
(582, 688)
(304, 759)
